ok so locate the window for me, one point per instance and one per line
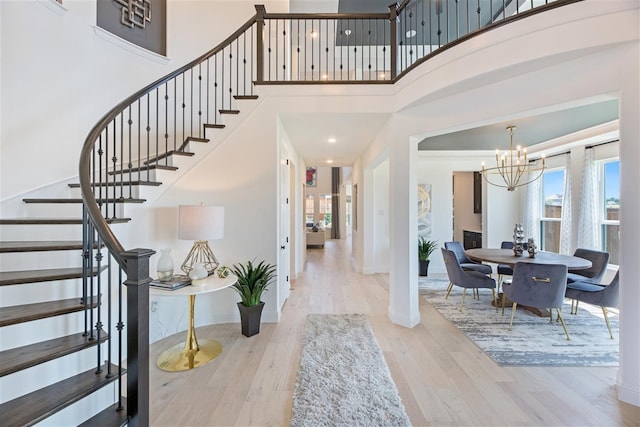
(550, 217)
(610, 203)
(309, 211)
(325, 210)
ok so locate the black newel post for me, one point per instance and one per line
(137, 284)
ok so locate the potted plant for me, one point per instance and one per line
(425, 249)
(252, 281)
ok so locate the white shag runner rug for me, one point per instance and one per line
(343, 378)
(532, 341)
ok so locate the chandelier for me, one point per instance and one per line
(511, 166)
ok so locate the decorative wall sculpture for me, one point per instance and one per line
(424, 210)
(135, 13)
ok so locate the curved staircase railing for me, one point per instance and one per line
(142, 135)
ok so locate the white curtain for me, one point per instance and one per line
(565, 224)
(531, 220)
(588, 221)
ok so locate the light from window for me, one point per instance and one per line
(552, 193)
(325, 210)
(309, 211)
(611, 209)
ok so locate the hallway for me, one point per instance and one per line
(442, 377)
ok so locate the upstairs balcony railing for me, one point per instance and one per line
(138, 136)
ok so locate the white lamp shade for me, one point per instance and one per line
(200, 222)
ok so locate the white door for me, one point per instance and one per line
(283, 261)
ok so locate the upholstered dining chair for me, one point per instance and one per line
(599, 261)
(539, 286)
(465, 262)
(466, 278)
(595, 294)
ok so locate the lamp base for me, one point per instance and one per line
(200, 253)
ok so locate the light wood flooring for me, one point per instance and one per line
(442, 377)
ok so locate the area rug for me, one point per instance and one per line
(343, 378)
(532, 341)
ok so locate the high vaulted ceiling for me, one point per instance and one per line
(355, 131)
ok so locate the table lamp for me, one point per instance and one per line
(200, 223)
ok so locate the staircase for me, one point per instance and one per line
(37, 405)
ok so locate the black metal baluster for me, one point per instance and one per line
(208, 88)
(200, 100)
(157, 129)
(109, 306)
(312, 35)
(215, 89)
(85, 268)
(166, 117)
(254, 61)
(120, 327)
(175, 112)
(90, 267)
(139, 145)
(478, 12)
(326, 47)
(230, 76)
(148, 129)
(222, 79)
(94, 296)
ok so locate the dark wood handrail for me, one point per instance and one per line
(93, 210)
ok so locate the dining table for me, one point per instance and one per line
(508, 257)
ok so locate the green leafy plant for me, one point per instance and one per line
(426, 248)
(252, 281)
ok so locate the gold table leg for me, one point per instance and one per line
(191, 354)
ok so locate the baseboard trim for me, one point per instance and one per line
(628, 395)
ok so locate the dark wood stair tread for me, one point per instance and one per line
(167, 154)
(55, 221)
(46, 275)
(36, 246)
(79, 200)
(196, 139)
(229, 111)
(111, 416)
(19, 358)
(143, 169)
(214, 126)
(41, 310)
(245, 97)
(40, 404)
(120, 183)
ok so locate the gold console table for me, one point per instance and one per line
(192, 354)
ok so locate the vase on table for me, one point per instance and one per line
(164, 268)
(518, 240)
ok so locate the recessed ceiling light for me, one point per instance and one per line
(325, 77)
(411, 33)
(329, 161)
(331, 140)
(314, 33)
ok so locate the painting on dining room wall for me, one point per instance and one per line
(312, 176)
(424, 210)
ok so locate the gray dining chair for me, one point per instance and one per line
(594, 294)
(465, 262)
(466, 278)
(599, 261)
(539, 286)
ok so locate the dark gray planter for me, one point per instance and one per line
(250, 318)
(424, 267)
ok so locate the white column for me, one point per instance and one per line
(403, 230)
(629, 372)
